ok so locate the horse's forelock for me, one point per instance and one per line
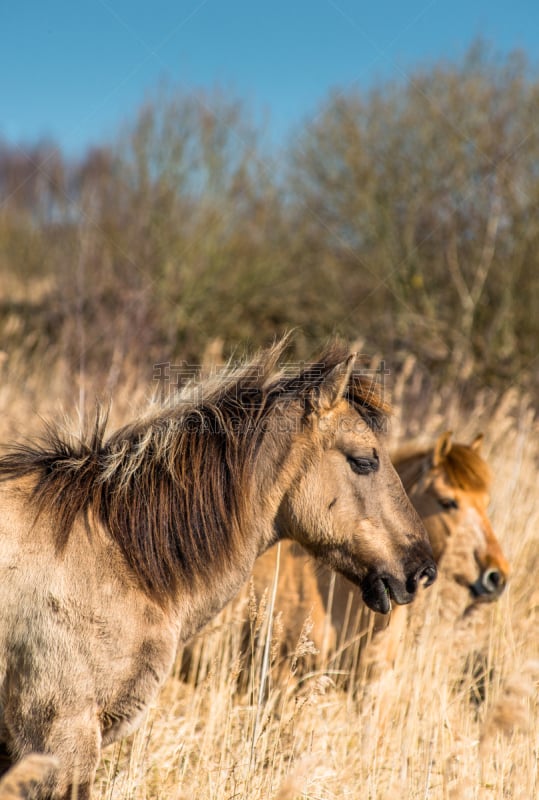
(363, 392)
(366, 395)
(466, 469)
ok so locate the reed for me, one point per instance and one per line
(456, 719)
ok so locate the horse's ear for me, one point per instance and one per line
(441, 448)
(477, 443)
(335, 383)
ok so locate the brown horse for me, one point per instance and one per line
(449, 485)
(113, 551)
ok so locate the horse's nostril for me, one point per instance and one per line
(493, 581)
(425, 575)
(428, 574)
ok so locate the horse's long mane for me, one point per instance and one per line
(464, 467)
(172, 488)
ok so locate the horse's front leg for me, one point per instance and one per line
(5, 759)
(32, 777)
(23, 779)
(71, 743)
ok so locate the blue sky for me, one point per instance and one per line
(75, 70)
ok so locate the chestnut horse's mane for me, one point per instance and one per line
(464, 467)
(172, 488)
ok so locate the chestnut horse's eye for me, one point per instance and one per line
(363, 465)
(448, 503)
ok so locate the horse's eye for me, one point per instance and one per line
(448, 503)
(363, 465)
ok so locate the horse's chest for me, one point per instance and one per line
(124, 652)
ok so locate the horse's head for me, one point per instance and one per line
(452, 497)
(345, 503)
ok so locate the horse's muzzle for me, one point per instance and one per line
(379, 590)
(489, 585)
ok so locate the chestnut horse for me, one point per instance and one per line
(449, 485)
(115, 550)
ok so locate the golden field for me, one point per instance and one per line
(455, 720)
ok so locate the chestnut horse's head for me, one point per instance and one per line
(449, 486)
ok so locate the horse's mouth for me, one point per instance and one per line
(380, 590)
(377, 594)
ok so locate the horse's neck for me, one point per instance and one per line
(201, 606)
(410, 470)
(276, 465)
(197, 608)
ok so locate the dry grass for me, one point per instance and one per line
(455, 720)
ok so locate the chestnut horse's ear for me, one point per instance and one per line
(335, 383)
(441, 448)
(477, 443)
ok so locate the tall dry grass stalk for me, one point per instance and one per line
(456, 717)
